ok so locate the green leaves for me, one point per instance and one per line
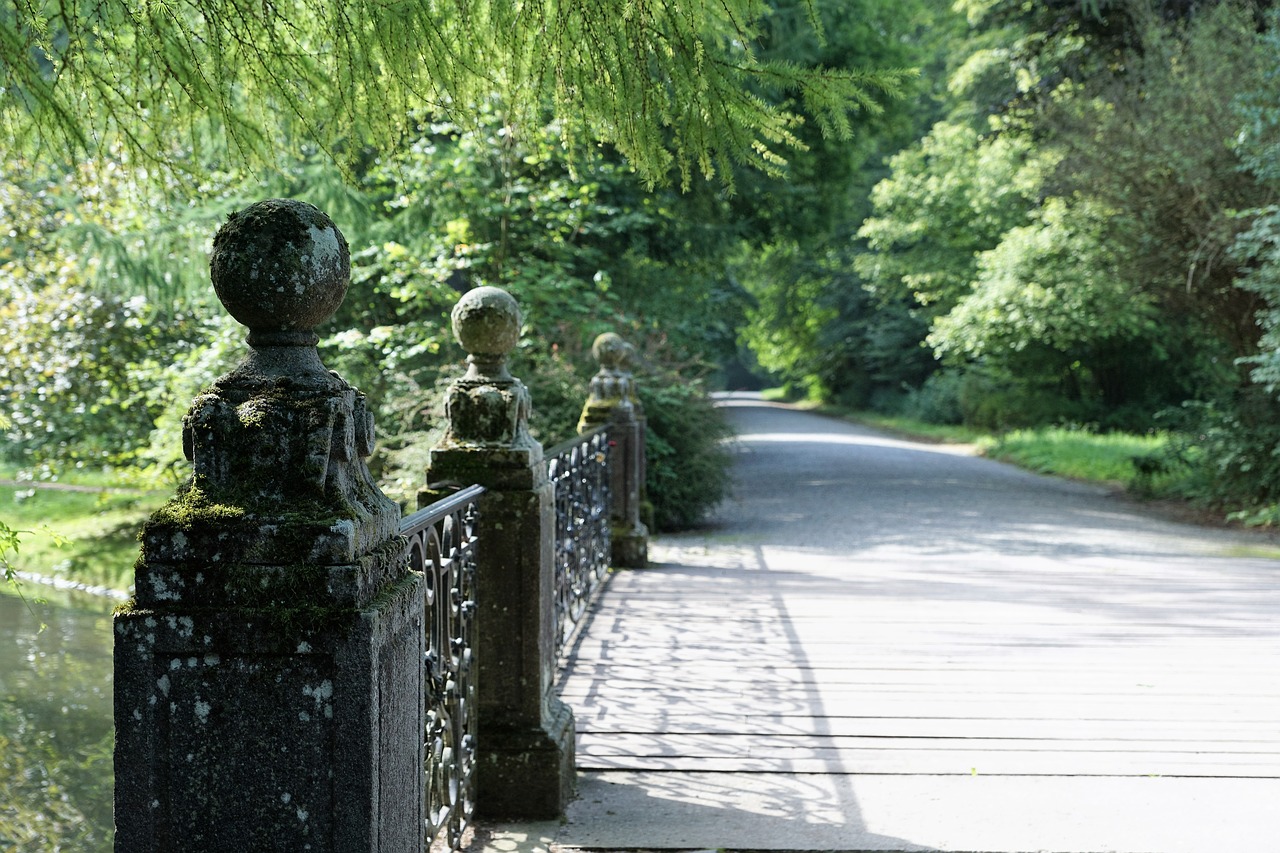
(1063, 233)
(10, 545)
(1257, 247)
(10, 540)
(949, 197)
(677, 86)
(1054, 284)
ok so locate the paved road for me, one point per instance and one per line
(884, 645)
(808, 480)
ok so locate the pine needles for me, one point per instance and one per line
(676, 85)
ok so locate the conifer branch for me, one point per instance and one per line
(671, 83)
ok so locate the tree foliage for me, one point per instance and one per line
(950, 197)
(97, 374)
(1257, 247)
(676, 85)
(1071, 217)
(1074, 243)
(810, 322)
(77, 362)
(584, 249)
(1051, 314)
(1154, 142)
(1053, 285)
(1084, 230)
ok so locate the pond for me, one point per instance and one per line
(56, 732)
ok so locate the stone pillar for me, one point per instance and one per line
(268, 673)
(525, 765)
(613, 401)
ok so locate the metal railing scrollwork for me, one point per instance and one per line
(579, 471)
(442, 543)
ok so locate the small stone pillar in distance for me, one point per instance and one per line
(613, 401)
(268, 673)
(525, 766)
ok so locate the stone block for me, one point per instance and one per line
(300, 735)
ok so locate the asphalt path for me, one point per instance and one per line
(825, 483)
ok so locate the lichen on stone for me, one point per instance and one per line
(280, 264)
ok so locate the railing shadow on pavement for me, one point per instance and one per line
(700, 725)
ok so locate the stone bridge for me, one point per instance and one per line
(881, 645)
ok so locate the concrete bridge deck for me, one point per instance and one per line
(885, 645)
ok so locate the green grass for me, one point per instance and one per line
(908, 427)
(942, 433)
(777, 395)
(1250, 552)
(1064, 452)
(1081, 455)
(100, 529)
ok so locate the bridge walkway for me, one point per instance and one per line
(890, 646)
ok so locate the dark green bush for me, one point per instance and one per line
(938, 400)
(687, 470)
(1233, 450)
(999, 401)
(558, 388)
(688, 463)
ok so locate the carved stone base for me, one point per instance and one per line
(528, 774)
(629, 548)
(303, 729)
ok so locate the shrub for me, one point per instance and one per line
(1233, 450)
(937, 401)
(77, 371)
(687, 462)
(687, 471)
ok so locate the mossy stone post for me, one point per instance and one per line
(525, 765)
(268, 673)
(613, 401)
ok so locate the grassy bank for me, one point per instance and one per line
(1081, 455)
(1115, 459)
(942, 433)
(83, 531)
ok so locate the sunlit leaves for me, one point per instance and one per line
(1053, 284)
(949, 197)
(676, 85)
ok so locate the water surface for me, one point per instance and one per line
(56, 733)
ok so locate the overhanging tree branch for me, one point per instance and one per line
(663, 81)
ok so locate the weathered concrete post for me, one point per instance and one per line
(613, 400)
(525, 766)
(268, 674)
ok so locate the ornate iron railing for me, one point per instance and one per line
(442, 543)
(579, 470)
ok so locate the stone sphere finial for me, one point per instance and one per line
(280, 267)
(486, 322)
(610, 350)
